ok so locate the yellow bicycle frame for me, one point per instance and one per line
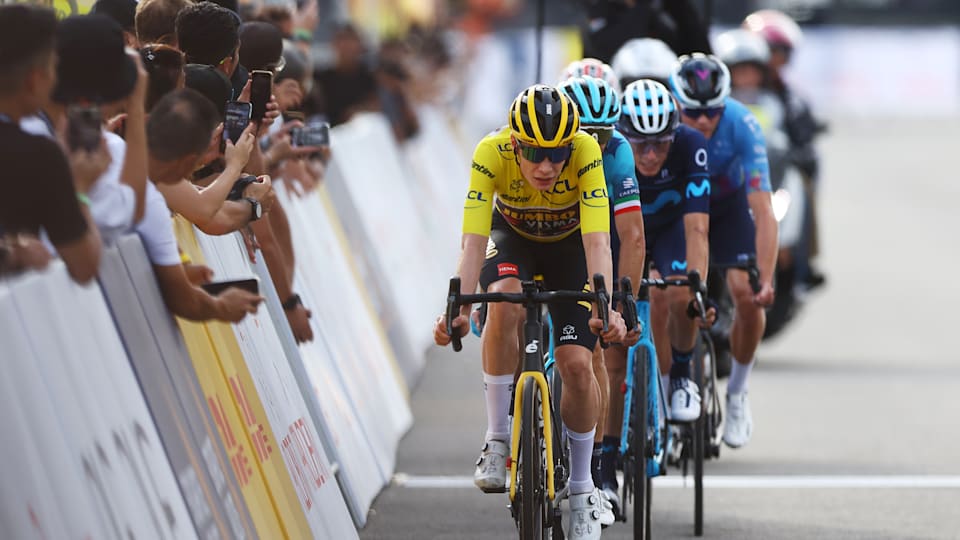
(547, 430)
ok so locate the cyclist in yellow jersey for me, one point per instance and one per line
(537, 204)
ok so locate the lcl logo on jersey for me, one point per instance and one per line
(599, 193)
(475, 195)
(561, 187)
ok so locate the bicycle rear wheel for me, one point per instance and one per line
(639, 444)
(531, 465)
(699, 430)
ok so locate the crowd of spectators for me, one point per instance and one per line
(113, 122)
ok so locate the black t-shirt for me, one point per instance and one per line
(38, 187)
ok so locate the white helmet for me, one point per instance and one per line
(741, 46)
(590, 67)
(644, 58)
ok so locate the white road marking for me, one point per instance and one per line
(736, 482)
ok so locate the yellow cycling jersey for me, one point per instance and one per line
(578, 199)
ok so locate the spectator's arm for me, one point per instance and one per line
(200, 207)
(185, 300)
(134, 172)
(82, 256)
(231, 216)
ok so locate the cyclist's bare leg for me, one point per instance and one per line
(616, 363)
(579, 408)
(683, 330)
(750, 319)
(499, 353)
(600, 373)
(659, 324)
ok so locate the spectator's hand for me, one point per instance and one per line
(87, 167)
(306, 17)
(198, 273)
(236, 303)
(237, 155)
(27, 253)
(298, 177)
(261, 190)
(273, 110)
(138, 98)
(299, 319)
(289, 94)
(213, 149)
(115, 124)
(251, 243)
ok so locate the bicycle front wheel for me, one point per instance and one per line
(531, 465)
(640, 445)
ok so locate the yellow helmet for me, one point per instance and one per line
(543, 116)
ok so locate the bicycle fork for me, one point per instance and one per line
(532, 369)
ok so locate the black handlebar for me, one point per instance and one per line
(628, 303)
(750, 267)
(530, 296)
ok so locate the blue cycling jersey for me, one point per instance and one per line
(738, 153)
(682, 186)
(618, 169)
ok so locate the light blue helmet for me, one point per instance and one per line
(597, 101)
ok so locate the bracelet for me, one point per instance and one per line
(292, 302)
(83, 198)
(302, 34)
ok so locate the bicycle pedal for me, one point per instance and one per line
(494, 490)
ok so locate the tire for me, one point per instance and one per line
(531, 466)
(639, 448)
(699, 431)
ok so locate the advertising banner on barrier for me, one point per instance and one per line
(116, 446)
(238, 409)
(383, 221)
(211, 499)
(318, 494)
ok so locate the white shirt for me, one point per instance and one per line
(156, 230)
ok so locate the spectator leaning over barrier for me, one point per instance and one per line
(123, 12)
(95, 76)
(178, 133)
(44, 190)
(156, 20)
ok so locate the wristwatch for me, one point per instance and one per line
(292, 302)
(256, 212)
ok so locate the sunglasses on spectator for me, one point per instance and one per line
(161, 56)
(537, 154)
(659, 145)
(277, 66)
(711, 112)
(601, 134)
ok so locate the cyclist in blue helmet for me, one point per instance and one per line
(671, 168)
(598, 104)
(742, 223)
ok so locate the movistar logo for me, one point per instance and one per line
(596, 163)
(481, 169)
(662, 200)
(678, 266)
(693, 190)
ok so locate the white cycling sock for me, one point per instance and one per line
(496, 391)
(581, 450)
(738, 376)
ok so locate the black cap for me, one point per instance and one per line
(122, 11)
(210, 82)
(93, 64)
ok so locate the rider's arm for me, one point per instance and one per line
(752, 149)
(628, 219)
(696, 219)
(594, 209)
(477, 215)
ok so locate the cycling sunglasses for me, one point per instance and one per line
(711, 112)
(659, 145)
(537, 154)
(601, 134)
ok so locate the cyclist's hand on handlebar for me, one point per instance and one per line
(766, 295)
(693, 311)
(440, 336)
(616, 330)
(633, 336)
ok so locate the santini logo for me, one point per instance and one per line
(596, 163)
(482, 170)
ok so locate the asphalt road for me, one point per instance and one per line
(863, 389)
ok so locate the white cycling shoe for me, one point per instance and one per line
(491, 472)
(738, 424)
(684, 400)
(586, 510)
(611, 497)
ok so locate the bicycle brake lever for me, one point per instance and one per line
(603, 305)
(453, 308)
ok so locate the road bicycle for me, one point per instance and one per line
(536, 454)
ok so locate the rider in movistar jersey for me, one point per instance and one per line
(741, 216)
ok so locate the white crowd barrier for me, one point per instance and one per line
(120, 421)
